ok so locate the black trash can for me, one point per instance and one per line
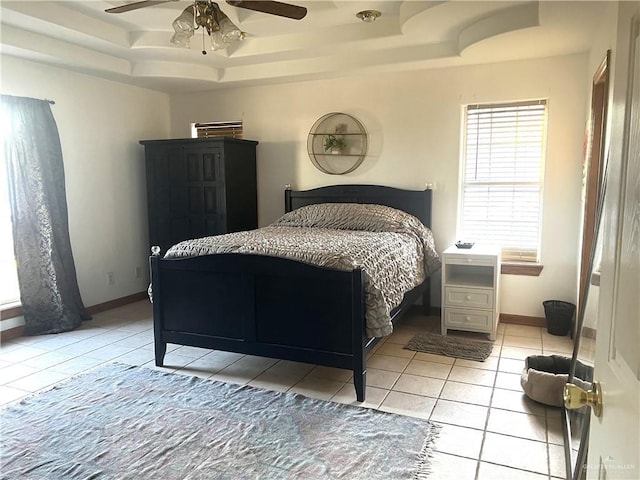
(559, 316)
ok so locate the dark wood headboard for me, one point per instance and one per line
(415, 202)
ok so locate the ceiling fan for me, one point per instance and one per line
(207, 14)
(280, 9)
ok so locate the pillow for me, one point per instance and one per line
(364, 217)
(350, 216)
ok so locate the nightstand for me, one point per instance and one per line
(471, 289)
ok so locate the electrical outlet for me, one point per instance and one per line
(111, 278)
(138, 272)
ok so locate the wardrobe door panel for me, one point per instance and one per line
(199, 187)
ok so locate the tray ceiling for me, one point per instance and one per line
(330, 41)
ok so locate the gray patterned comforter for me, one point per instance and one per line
(395, 250)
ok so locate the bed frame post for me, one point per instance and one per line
(287, 198)
(426, 296)
(358, 335)
(160, 346)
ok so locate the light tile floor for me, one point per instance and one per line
(490, 430)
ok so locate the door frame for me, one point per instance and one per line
(595, 159)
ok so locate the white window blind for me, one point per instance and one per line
(231, 129)
(502, 177)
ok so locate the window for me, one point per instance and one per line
(231, 129)
(9, 290)
(502, 166)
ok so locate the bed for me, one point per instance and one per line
(281, 308)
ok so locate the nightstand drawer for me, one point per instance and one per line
(468, 297)
(462, 259)
(464, 319)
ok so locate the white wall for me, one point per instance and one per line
(414, 123)
(100, 123)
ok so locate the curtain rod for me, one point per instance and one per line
(50, 102)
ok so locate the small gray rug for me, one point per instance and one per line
(450, 346)
(122, 422)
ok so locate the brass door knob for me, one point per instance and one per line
(575, 397)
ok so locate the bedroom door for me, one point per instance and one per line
(614, 446)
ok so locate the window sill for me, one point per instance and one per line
(516, 268)
(10, 310)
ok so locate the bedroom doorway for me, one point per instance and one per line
(593, 172)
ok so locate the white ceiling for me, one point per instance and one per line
(330, 41)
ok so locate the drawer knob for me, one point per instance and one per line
(467, 318)
(469, 260)
(468, 297)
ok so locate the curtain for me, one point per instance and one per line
(49, 292)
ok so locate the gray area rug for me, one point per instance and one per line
(122, 422)
(450, 346)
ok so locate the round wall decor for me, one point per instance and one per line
(337, 143)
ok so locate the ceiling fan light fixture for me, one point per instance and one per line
(227, 35)
(181, 40)
(184, 22)
(369, 16)
(230, 33)
(217, 42)
(184, 28)
(205, 14)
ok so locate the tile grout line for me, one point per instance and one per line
(486, 425)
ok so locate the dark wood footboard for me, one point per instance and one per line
(264, 306)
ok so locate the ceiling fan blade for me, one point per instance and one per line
(136, 5)
(274, 8)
